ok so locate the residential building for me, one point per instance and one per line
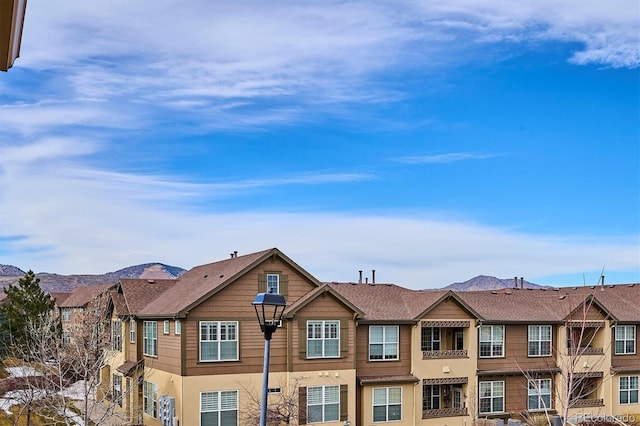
(189, 351)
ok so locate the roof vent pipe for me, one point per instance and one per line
(515, 282)
(360, 279)
(373, 276)
(521, 282)
(366, 280)
(235, 253)
(602, 281)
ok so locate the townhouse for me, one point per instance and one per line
(189, 351)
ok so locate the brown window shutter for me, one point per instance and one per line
(302, 338)
(284, 284)
(262, 283)
(344, 402)
(302, 405)
(344, 338)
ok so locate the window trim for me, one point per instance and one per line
(428, 402)
(386, 404)
(177, 327)
(219, 340)
(491, 397)
(539, 395)
(384, 342)
(153, 339)
(492, 341)
(624, 339)
(324, 339)
(628, 390)
(277, 276)
(324, 402)
(65, 314)
(539, 341)
(116, 335)
(219, 409)
(166, 327)
(132, 331)
(424, 345)
(154, 402)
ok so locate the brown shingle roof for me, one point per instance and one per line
(138, 292)
(83, 295)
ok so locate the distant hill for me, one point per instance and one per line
(484, 282)
(66, 283)
(10, 271)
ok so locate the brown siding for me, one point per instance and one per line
(324, 307)
(168, 358)
(233, 303)
(516, 352)
(516, 391)
(376, 368)
(625, 360)
(448, 309)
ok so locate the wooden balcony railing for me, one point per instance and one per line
(444, 412)
(588, 351)
(446, 354)
(580, 403)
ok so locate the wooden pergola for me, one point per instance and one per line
(11, 24)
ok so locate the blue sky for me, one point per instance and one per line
(429, 141)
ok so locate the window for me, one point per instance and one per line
(625, 339)
(178, 328)
(150, 398)
(458, 341)
(430, 339)
(387, 404)
(117, 389)
(166, 327)
(539, 340)
(219, 408)
(628, 389)
(132, 331)
(323, 339)
(66, 314)
(457, 398)
(273, 283)
(383, 342)
(491, 341)
(539, 394)
(116, 335)
(218, 340)
(150, 338)
(431, 397)
(491, 397)
(66, 339)
(323, 404)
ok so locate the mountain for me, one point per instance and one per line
(10, 271)
(484, 282)
(65, 283)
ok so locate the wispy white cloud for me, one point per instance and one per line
(79, 220)
(444, 158)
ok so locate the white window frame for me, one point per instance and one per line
(432, 400)
(536, 340)
(386, 395)
(166, 327)
(229, 335)
(150, 338)
(430, 339)
(387, 345)
(625, 334)
(539, 388)
(273, 283)
(227, 405)
(324, 402)
(493, 387)
(132, 331)
(493, 341)
(177, 329)
(117, 389)
(116, 335)
(325, 330)
(66, 314)
(150, 398)
(631, 390)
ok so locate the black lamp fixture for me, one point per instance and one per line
(269, 309)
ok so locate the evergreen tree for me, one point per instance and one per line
(26, 306)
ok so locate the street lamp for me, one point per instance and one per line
(269, 309)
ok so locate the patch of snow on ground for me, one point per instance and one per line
(23, 371)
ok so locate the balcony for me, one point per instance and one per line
(583, 403)
(589, 350)
(444, 412)
(445, 354)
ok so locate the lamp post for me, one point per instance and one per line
(269, 309)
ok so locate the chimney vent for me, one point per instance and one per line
(360, 279)
(602, 281)
(521, 282)
(373, 276)
(235, 253)
(366, 280)
(515, 282)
